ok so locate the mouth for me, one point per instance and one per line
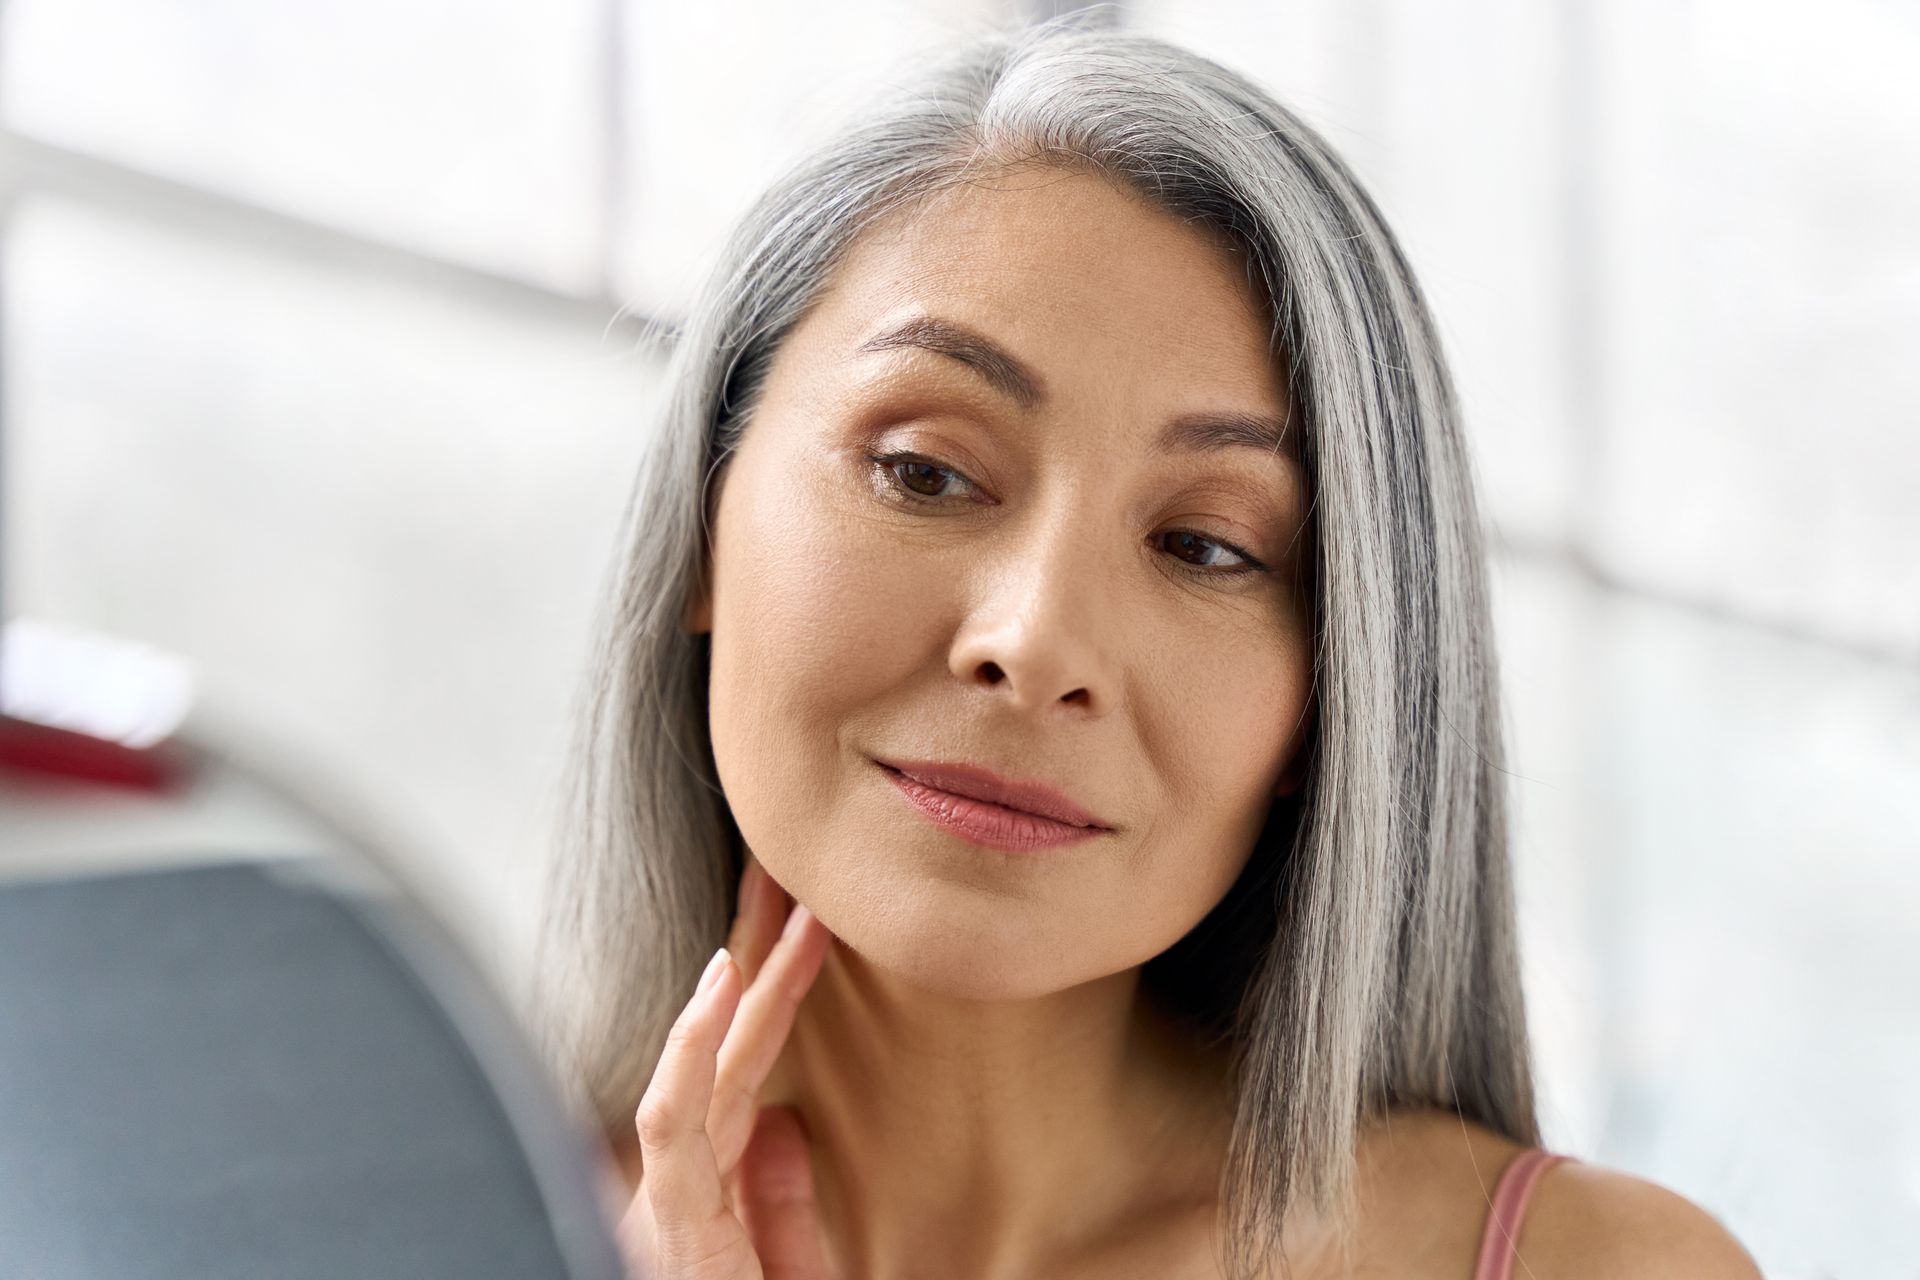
(990, 819)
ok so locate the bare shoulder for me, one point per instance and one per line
(1588, 1222)
(1428, 1178)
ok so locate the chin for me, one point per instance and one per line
(948, 955)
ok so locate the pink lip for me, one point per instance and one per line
(980, 805)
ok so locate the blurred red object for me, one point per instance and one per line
(32, 748)
(81, 705)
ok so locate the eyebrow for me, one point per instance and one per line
(1200, 432)
(1206, 432)
(975, 350)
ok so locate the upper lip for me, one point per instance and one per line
(979, 783)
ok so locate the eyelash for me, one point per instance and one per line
(886, 462)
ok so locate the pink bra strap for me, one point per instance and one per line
(1509, 1202)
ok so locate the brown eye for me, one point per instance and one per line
(923, 478)
(1184, 541)
(916, 477)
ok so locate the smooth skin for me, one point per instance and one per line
(720, 1186)
(948, 1068)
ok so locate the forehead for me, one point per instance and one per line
(1097, 291)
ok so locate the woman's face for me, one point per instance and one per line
(1062, 583)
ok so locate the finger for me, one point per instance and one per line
(777, 1201)
(757, 919)
(682, 1181)
(760, 1030)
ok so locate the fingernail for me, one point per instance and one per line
(712, 973)
(796, 921)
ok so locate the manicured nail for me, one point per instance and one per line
(796, 921)
(712, 973)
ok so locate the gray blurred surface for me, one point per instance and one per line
(250, 1070)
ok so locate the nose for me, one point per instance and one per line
(1043, 630)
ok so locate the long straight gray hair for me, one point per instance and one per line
(1367, 957)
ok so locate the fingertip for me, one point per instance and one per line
(711, 974)
(718, 993)
(813, 945)
(727, 981)
(797, 921)
(819, 936)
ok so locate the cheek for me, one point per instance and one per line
(805, 585)
(1217, 743)
(813, 622)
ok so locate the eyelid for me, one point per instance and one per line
(887, 460)
(941, 450)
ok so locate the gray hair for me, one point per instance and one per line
(1367, 958)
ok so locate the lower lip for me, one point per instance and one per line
(993, 825)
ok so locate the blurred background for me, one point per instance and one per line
(322, 380)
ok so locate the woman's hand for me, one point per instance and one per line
(726, 1191)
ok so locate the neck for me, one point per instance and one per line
(995, 1135)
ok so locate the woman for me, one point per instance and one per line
(1052, 652)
